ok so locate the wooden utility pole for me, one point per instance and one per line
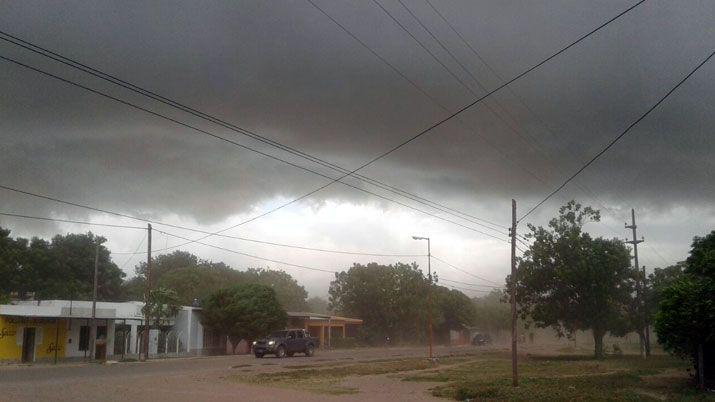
(514, 374)
(640, 287)
(429, 297)
(93, 326)
(147, 293)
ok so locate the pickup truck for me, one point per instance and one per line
(286, 343)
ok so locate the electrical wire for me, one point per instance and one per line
(69, 221)
(380, 156)
(332, 180)
(251, 255)
(240, 130)
(462, 270)
(618, 137)
(219, 235)
(470, 284)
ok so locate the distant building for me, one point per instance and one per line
(323, 326)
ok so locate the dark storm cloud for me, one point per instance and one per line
(283, 69)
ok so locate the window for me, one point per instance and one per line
(300, 334)
(83, 338)
(291, 335)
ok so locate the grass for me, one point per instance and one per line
(487, 376)
(565, 378)
(326, 378)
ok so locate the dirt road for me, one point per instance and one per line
(204, 379)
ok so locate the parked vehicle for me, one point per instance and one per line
(481, 339)
(286, 343)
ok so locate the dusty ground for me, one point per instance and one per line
(208, 379)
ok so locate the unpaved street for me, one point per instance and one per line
(199, 379)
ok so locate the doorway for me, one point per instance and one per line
(28, 345)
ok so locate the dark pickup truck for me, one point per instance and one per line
(286, 343)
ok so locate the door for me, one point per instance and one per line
(291, 342)
(28, 345)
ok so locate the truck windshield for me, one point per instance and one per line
(279, 334)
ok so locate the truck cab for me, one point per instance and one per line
(286, 343)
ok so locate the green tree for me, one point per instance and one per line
(318, 305)
(453, 310)
(570, 281)
(163, 304)
(391, 300)
(685, 322)
(195, 278)
(245, 311)
(492, 313)
(62, 268)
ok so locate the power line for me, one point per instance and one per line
(461, 288)
(295, 247)
(618, 137)
(403, 76)
(135, 251)
(41, 218)
(251, 255)
(440, 278)
(219, 235)
(462, 270)
(240, 130)
(332, 180)
(380, 156)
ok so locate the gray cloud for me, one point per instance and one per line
(283, 69)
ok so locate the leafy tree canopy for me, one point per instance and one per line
(194, 278)
(163, 305)
(685, 320)
(244, 311)
(392, 301)
(62, 268)
(570, 281)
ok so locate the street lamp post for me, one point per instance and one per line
(429, 292)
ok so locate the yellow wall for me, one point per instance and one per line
(11, 330)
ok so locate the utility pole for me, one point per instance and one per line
(147, 293)
(429, 292)
(514, 374)
(429, 297)
(640, 287)
(93, 326)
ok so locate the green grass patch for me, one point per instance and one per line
(563, 378)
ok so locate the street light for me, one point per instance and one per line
(429, 292)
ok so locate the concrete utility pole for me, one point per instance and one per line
(640, 287)
(93, 326)
(512, 233)
(147, 292)
(429, 292)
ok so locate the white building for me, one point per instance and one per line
(52, 329)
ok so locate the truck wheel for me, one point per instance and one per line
(281, 352)
(309, 351)
(259, 355)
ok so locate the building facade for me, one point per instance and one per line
(49, 330)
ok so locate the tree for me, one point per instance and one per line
(491, 312)
(245, 311)
(163, 304)
(291, 295)
(318, 305)
(60, 268)
(453, 310)
(195, 278)
(685, 322)
(391, 300)
(570, 281)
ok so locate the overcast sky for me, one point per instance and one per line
(285, 70)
